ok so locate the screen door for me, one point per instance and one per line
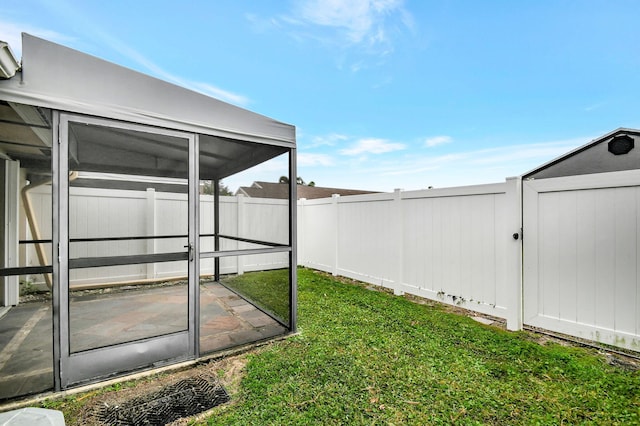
(127, 255)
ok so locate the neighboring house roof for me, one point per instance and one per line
(609, 153)
(281, 191)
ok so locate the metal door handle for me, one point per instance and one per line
(190, 251)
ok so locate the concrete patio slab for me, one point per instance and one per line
(100, 319)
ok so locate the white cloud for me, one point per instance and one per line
(519, 153)
(422, 164)
(407, 171)
(372, 146)
(11, 34)
(361, 34)
(306, 159)
(468, 167)
(328, 140)
(594, 107)
(362, 20)
(437, 140)
(365, 24)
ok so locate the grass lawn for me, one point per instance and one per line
(367, 357)
(267, 289)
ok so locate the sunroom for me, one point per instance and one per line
(118, 251)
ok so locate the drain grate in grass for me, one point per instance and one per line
(182, 399)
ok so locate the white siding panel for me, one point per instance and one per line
(605, 259)
(531, 259)
(497, 254)
(451, 262)
(625, 264)
(550, 256)
(418, 253)
(266, 220)
(439, 232)
(586, 257)
(365, 241)
(469, 270)
(567, 257)
(99, 214)
(319, 235)
(41, 203)
(171, 219)
(637, 310)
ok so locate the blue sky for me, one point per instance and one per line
(384, 93)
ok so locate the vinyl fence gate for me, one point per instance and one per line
(581, 255)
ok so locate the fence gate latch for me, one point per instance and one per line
(190, 251)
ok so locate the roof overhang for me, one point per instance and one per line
(54, 77)
(8, 63)
(57, 77)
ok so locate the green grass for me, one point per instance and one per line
(367, 357)
(267, 289)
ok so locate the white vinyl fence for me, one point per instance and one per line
(579, 242)
(99, 213)
(581, 256)
(454, 245)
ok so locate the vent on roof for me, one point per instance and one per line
(621, 145)
(185, 398)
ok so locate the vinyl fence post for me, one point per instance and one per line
(513, 259)
(399, 242)
(336, 235)
(151, 229)
(301, 232)
(241, 229)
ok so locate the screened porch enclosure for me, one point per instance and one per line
(152, 265)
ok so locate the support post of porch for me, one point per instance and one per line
(216, 228)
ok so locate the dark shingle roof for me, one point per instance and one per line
(281, 191)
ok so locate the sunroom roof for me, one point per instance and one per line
(56, 77)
